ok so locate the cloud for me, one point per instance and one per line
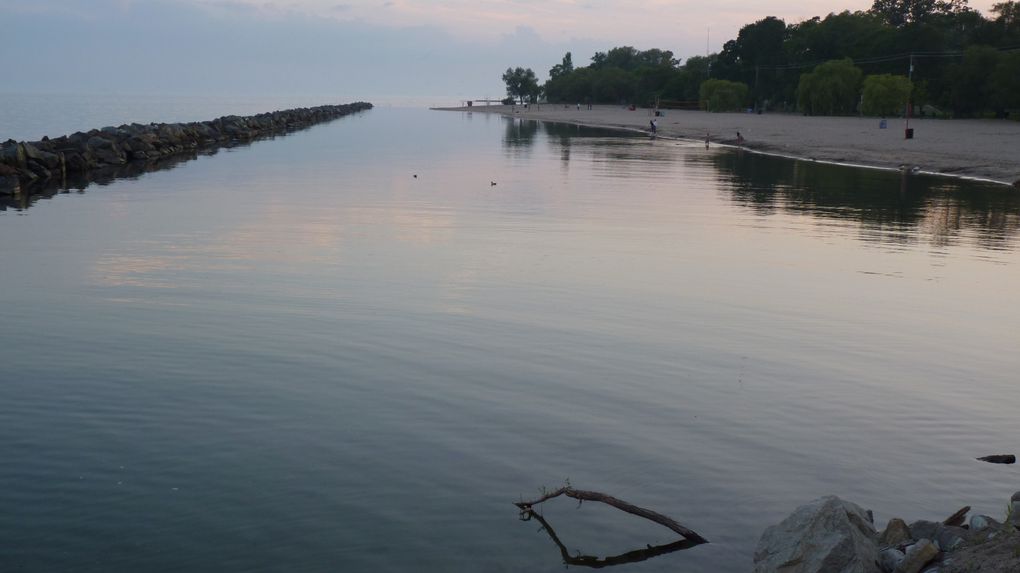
(234, 47)
(678, 25)
(361, 49)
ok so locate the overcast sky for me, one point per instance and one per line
(376, 50)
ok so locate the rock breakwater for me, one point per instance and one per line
(27, 165)
(830, 535)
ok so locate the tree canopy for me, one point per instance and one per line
(899, 13)
(831, 88)
(957, 59)
(521, 84)
(885, 94)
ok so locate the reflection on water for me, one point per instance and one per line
(889, 206)
(519, 133)
(79, 182)
(595, 562)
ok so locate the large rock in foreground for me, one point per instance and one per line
(828, 535)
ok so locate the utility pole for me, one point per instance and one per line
(907, 132)
(757, 94)
(708, 34)
(708, 62)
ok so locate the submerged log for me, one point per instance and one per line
(582, 495)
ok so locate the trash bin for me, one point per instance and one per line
(908, 133)
(882, 124)
(470, 103)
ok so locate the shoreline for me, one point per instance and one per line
(976, 149)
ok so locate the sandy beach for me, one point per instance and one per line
(985, 149)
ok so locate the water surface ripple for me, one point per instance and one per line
(297, 356)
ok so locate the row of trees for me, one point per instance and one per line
(957, 59)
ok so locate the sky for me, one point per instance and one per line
(434, 51)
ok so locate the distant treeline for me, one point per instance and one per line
(946, 57)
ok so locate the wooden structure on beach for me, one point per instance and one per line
(673, 104)
(471, 102)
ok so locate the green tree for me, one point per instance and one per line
(899, 13)
(885, 94)
(1007, 22)
(684, 84)
(845, 35)
(830, 89)
(970, 81)
(562, 68)
(722, 95)
(1005, 83)
(559, 78)
(630, 58)
(1007, 13)
(613, 85)
(522, 84)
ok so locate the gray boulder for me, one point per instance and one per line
(917, 556)
(9, 182)
(1014, 510)
(13, 154)
(827, 535)
(76, 163)
(924, 529)
(982, 522)
(106, 151)
(39, 169)
(896, 532)
(44, 158)
(949, 538)
(889, 559)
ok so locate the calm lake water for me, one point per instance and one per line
(296, 356)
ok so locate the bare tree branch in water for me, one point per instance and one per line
(597, 563)
(582, 495)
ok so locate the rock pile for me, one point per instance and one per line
(27, 164)
(830, 535)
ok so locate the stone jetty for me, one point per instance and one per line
(25, 166)
(830, 535)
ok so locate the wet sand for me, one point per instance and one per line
(979, 148)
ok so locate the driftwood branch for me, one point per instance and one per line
(957, 518)
(582, 495)
(597, 563)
